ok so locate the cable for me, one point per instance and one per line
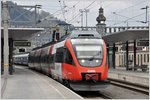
(109, 20)
(76, 3)
(128, 7)
(98, 4)
(79, 12)
(132, 6)
(69, 8)
(124, 16)
(62, 10)
(130, 18)
(89, 5)
(74, 17)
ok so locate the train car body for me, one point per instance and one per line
(21, 59)
(78, 60)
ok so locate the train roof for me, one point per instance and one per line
(21, 55)
(85, 34)
(74, 34)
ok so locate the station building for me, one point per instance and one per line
(142, 55)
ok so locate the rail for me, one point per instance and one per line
(132, 86)
(93, 95)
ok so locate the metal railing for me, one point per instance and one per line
(110, 30)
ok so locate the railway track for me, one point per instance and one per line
(131, 86)
(93, 95)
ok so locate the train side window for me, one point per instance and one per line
(59, 55)
(144, 58)
(68, 57)
(51, 59)
(41, 59)
(45, 59)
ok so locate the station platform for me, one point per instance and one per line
(137, 77)
(27, 84)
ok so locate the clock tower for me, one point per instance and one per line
(100, 27)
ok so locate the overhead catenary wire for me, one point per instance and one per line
(89, 4)
(125, 17)
(74, 17)
(79, 12)
(67, 10)
(121, 10)
(76, 3)
(62, 10)
(129, 19)
(131, 6)
(97, 4)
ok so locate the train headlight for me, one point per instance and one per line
(97, 61)
(86, 39)
(82, 60)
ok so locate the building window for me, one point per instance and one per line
(147, 57)
(119, 60)
(138, 59)
(141, 59)
(144, 58)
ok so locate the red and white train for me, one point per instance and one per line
(79, 60)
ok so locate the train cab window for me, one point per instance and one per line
(68, 57)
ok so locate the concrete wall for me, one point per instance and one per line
(133, 78)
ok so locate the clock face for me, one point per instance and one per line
(102, 22)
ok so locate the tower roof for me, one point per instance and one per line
(101, 16)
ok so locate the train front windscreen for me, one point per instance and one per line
(89, 52)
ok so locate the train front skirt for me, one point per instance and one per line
(89, 86)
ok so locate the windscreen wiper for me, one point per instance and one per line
(93, 57)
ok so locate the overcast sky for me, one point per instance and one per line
(127, 12)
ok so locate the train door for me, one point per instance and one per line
(58, 62)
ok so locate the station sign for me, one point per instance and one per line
(143, 43)
(22, 43)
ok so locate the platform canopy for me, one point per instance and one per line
(126, 36)
(21, 32)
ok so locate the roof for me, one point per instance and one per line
(77, 33)
(126, 35)
(21, 32)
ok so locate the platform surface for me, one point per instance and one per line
(27, 84)
(137, 77)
